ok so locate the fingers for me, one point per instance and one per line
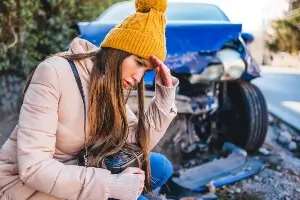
(156, 62)
(140, 191)
(157, 70)
(140, 173)
(160, 66)
(133, 170)
(142, 183)
(142, 178)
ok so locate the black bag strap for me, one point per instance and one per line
(79, 84)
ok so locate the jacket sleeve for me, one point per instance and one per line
(36, 146)
(159, 114)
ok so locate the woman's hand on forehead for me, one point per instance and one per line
(162, 71)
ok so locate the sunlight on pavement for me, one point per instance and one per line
(292, 105)
(283, 70)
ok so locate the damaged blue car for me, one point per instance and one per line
(221, 108)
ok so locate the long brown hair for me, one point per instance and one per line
(107, 111)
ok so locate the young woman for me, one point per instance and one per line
(38, 161)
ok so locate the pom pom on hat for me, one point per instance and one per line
(146, 26)
(144, 6)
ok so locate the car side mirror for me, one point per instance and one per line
(247, 37)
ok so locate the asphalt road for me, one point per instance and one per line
(281, 88)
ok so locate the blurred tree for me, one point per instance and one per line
(286, 35)
(31, 30)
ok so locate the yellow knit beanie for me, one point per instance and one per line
(142, 33)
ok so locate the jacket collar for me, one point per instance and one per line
(80, 46)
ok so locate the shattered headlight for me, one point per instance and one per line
(234, 65)
(211, 73)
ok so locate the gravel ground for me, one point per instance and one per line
(280, 180)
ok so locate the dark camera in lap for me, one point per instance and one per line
(119, 161)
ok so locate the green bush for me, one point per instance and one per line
(286, 36)
(31, 30)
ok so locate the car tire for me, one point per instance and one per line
(246, 121)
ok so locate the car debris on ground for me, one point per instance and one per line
(279, 180)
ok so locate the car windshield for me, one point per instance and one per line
(191, 11)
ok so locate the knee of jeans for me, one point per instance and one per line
(164, 165)
(168, 168)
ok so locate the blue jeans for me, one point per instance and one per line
(161, 171)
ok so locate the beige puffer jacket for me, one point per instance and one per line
(38, 161)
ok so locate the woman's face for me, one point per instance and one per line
(133, 70)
